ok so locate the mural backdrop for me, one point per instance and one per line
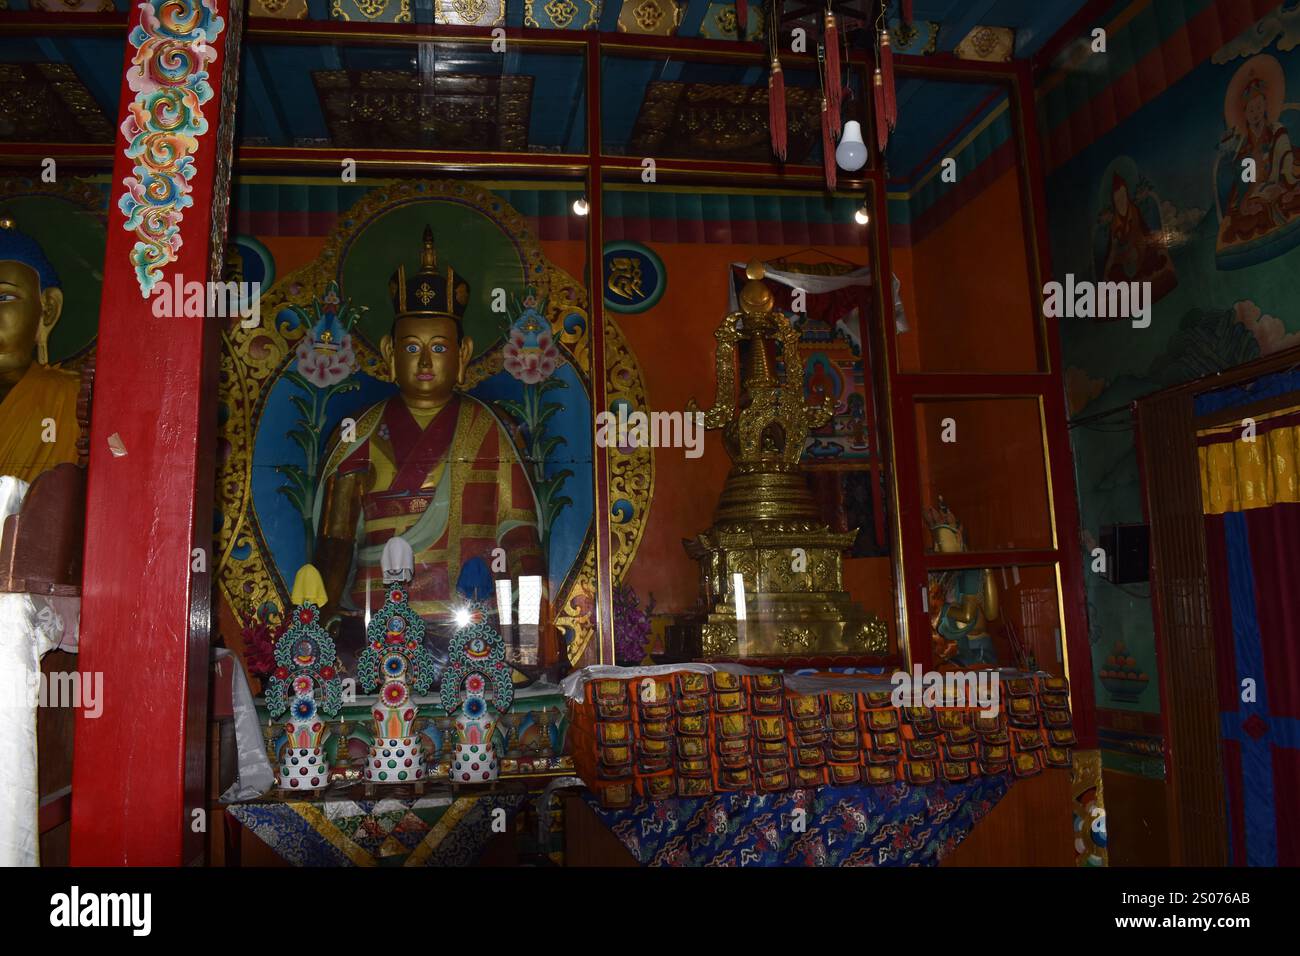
(1171, 160)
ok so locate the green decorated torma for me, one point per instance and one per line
(395, 651)
(476, 656)
(304, 659)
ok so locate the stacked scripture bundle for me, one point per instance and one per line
(692, 734)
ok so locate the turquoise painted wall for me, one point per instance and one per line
(1166, 118)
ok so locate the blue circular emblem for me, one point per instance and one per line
(634, 277)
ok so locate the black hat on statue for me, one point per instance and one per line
(430, 291)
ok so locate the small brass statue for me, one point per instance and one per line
(961, 602)
(770, 567)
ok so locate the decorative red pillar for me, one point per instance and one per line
(139, 768)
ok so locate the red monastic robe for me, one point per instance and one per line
(455, 489)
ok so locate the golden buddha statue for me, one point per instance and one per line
(431, 464)
(38, 404)
(771, 569)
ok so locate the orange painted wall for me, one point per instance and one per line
(971, 288)
(292, 252)
(993, 476)
(569, 255)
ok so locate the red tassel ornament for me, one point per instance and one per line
(742, 17)
(906, 11)
(776, 109)
(828, 146)
(882, 127)
(887, 80)
(834, 94)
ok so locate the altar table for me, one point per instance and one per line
(390, 826)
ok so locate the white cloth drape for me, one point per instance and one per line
(30, 626)
(255, 775)
(816, 285)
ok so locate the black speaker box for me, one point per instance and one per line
(1128, 552)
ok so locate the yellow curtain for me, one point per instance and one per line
(1251, 473)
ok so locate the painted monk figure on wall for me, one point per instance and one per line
(431, 464)
(38, 404)
(1135, 249)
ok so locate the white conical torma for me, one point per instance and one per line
(398, 561)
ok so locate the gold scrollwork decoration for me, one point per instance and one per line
(469, 10)
(717, 638)
(657, 17)
(561, 12)
(795, 637)
(648, 14)
(371, 10)
(577, 614)
(631, 471)
(469, 13)
(872, 635)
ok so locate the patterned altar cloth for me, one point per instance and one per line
(895, 825)
(435, 829)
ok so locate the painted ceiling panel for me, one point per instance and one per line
(281, 103)
(97, 61)
(633, 77)
(281, 100)
(1035, 21)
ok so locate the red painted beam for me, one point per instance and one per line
(39, 21)
(1078, 647)
(384, 161)
(140, 766)
(28, 156)
(600, 399)
(936, 65)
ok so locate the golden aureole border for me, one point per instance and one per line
(631, 471)
(252, 359)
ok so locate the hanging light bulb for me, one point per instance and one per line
(861, 216)
(851, 154)
(580, 206)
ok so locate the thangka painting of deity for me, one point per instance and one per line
(1257, 192)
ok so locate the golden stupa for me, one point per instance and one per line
(770, 568)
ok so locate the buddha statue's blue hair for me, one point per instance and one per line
(17, 246)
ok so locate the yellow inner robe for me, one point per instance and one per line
(41, 405)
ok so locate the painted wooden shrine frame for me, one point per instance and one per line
(168, 765)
